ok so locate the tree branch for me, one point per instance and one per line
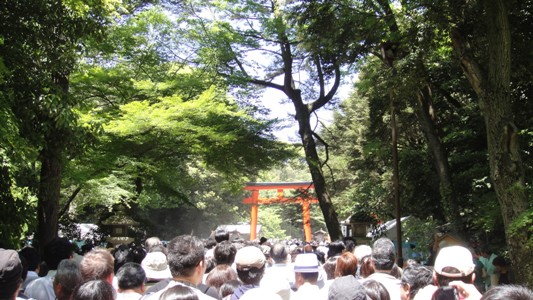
(69, 201)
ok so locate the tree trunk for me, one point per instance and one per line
(426, 120)
(49, 193)
(315, 167)
(493, 90)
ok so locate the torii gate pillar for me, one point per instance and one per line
(255, 200)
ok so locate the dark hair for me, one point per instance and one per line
(444, 280)
(130, 276)
(228, 288)
(383, 254)
(179, 292)
(55, 251)
(220, 275)
(310, 277)
(210, 243)
(367, 266)
(221, 235)
(251, 275)
(68, 276)
(508, 292)
(329, 267)
(185, 252)
(279, 253)
(32, 257)
(122, 255)
(346, 265)
(336, 248)
(94, 290)
(350, 243)
(417, 277)
(137, 254)
(500, 261)
(224, 253)
(210, 264)
(98, 264)
(376, 290)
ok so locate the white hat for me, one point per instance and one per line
(457, 257)
(306, 263)
(249, 257)
(155, 265)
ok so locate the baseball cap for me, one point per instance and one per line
(346, 288)
(249, 257)
(457, 257)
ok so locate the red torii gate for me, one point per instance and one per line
(304, 200)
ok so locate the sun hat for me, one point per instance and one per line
(457, 257)
(249, 257)
(155, 266)
(306, 263)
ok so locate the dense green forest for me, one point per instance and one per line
(154, 106)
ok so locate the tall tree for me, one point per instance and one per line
(292, 47)
(490, 77)
(42, 40)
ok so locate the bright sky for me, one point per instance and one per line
(283, 109)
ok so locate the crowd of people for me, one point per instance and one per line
(190, 268)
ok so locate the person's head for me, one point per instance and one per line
(306, 269)
(454, 263)
(329, 267)
(250, 262)
(279, 253)
(415, 277)
(56, 250)
(221, 235)
(228, 288)
(220, 275)
(346, 264)
(346, 288)
(122, 255)
(131, 276)
(508, 292)
(137, 254)
(179, 292)
(156, 266)
(336, 248)
(350, 243)
(367, 266)
(500, 263)
(94, 290)
(376, 290)
(224, 253)
(210, 243)
(186, 257)
(10, 274)
(151, 243)
(67, 277)
(98, 264)
(32, 257)
(383, 255)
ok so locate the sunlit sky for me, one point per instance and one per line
(282, 109)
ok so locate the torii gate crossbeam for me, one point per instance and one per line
(255, 200)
